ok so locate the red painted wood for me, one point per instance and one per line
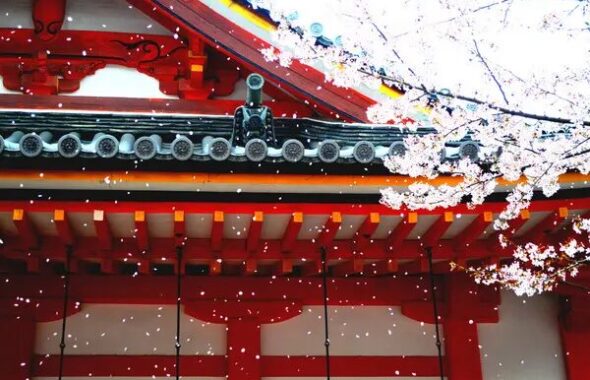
(274, 208)
(28, 237)
(125, 289)
(440, 226)
(351, 366)
(541, 231)
(464, 239)
(243, 349)
(253, 240)
(62, 224)
(460, 328)
(215, 366)
(293, 228)
(196, 19)
(383, 267)
(348, 268)
(16, 349)
(369, 225)
(217, 230)
(130, 365)
(48, 17)
(103, 230)
(330, 229)
(400, 232)
(141, 233)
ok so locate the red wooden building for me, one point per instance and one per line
(125, 173)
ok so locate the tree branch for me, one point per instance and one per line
(488, 68)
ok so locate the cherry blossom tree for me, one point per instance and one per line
(510, 75)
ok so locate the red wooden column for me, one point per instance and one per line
(18, 335)
(575, 335)
(243, 320)
(466, 305)
(243, 349)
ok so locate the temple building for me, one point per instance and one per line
(173, 205)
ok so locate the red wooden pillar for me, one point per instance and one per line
(18, 343)
(466, 305)
(575, 336)
(243, 321)
(243, 349)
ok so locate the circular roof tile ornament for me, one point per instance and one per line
(31, 145)
(293, 150)
(470, 150)
(219, 149)
(69, 146)
(316, 29)
(256, 150)
(145, 148)
(397, 148)
(107, 146)
(364, 152)
(328, 151)
(182, 148)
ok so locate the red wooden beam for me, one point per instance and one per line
(62, 224)
(546, 226)
(348, 268)
(383, 267)
(440, 226)
(292, 231)
(215, 267)
(369, 225)
(217, 230)
(251, 266)
(27, 236)
(253, 239)
(474, 230)
(283, 267)
(401, 232)
(311, 268)
(103, 230)
(141, 232)
(330, 229)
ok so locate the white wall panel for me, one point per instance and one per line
(119, 81)
(130, 330)
(525, 344)
(354, 330)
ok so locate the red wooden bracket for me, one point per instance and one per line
(330, 229)
(217, 230)
(401, 232)
(292, 231)
(438, 229)
(28, 238)
(103, 230)
(254, 232)
(473, 231)
(64, 230)
(141, 232)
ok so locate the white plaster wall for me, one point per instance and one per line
(107, 15)
(118, 81)
(130, 330)
(354, 330)
(525, 344)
